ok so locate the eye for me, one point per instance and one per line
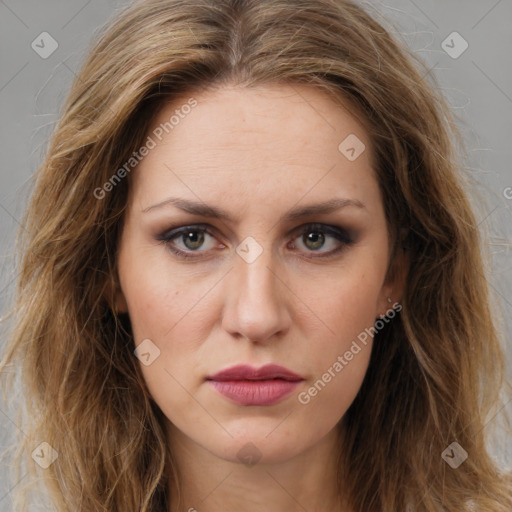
(315, 237)
(187, 240)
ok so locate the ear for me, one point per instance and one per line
(394, 284)
(115, 296)
(120, 301)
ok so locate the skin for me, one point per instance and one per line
(256, 153)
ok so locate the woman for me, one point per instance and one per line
(251, 277)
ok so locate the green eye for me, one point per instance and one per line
(193, 239)
(187, 240)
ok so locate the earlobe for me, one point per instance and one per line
(115, 297)
(120, 302)
(400, 273)
(396, 279)
(385, 308)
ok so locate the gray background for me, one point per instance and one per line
(478, 85)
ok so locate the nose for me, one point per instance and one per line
(256, 300)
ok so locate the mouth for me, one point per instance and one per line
(263, 386)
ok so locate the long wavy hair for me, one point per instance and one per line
(436, 370)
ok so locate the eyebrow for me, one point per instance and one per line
(205, 210)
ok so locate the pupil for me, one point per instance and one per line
(195, 237)
(316, 238)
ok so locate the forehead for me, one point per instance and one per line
(278, 139)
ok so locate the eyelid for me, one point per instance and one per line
(170, 234)
(342, 235)
(174, 232)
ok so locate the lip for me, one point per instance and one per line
(246, 385)
(246, 372)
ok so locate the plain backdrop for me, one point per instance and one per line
(477, 83)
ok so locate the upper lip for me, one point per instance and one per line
(246, 372)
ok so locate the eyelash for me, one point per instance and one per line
(340, 234)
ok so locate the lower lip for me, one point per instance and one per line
(255, 392)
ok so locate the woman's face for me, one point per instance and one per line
(271, 196)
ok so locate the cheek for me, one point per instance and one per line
(346, 303)
(340, 359)
(347, 308)
(167, 312)
(160, 298)
(173, 311)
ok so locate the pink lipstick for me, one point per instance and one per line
(246, 385)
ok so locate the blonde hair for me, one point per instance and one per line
(435, 370)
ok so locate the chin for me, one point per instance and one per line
(262, 441)
(249, 451)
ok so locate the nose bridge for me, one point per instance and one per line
(256, 278)
(255, 303)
